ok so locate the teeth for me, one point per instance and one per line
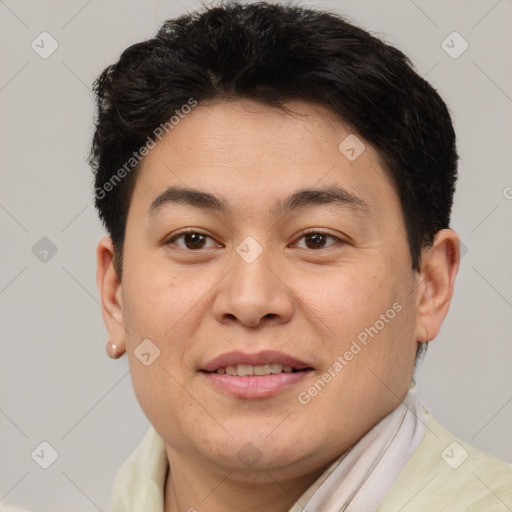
(230, 370)
(245, 370)
(276, 368)
(262, 369)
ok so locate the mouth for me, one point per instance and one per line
(260, 375)
(248, 370)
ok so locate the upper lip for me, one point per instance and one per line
(256, 359)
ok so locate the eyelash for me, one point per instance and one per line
(305, 232)
(302, 235)
(187, 232)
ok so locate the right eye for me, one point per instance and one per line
(192, 240)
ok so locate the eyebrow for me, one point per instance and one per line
(304, 198)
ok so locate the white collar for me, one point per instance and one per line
(360, 479)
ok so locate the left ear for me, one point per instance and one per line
(439, 266)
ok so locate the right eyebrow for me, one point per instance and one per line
(192, 197)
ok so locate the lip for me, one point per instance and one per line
(255, 386)
(259, 358)
(262, 386)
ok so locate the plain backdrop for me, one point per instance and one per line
(57, 384)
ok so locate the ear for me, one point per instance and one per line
(110, 290)
(439, 266)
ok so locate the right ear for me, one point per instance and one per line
(110, 289)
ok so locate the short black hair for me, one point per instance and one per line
(275, 53)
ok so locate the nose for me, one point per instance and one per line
(254, 293)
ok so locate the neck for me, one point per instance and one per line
(194, 486)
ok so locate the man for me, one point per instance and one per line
(277, 187)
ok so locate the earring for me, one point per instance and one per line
(112, 350)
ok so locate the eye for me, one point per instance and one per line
(317, 240)
(193, 240)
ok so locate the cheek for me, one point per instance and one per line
(167, 404)
(344, 303)
(156, 301)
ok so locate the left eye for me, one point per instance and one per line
(193, 240)
(317, 240)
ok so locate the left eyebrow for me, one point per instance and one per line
(304, 198)
(330, 194)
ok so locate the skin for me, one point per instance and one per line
(311, 303)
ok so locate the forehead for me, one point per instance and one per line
(255, 154)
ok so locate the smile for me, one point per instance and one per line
(247, 370)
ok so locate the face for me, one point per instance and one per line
(282, 257)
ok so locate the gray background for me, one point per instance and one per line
(56, 382)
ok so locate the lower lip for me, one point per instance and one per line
(260, 386)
